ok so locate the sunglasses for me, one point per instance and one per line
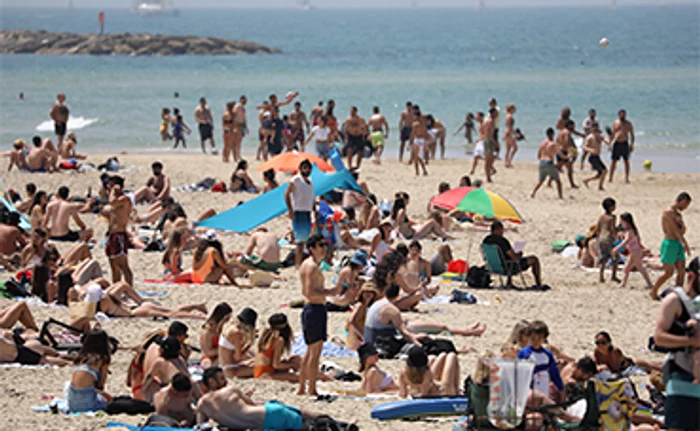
(601, 343)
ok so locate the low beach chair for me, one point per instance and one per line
(499, 265)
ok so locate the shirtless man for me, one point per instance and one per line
(26, 203)
(59, 212)
(405, 128)
(355, 136)
(674, 246)
(491, 146)
(12, 239)
(17, 156)
(565, 142)
(157, 189)
(231, 408)
(379, 131)
(240, 113)
(59, 114)
(118, 242)
(205, 121)
(623, 144)
(588, 125)
(418, 140)
(545, 154)
(297, 120)
(42, 158)
(175, 400)
(314, 317)
(316, 112)
(592, 147)
(267, 257)
(67, 150)
(496, 120)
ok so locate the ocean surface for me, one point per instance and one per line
(449, 61)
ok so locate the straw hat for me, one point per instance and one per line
(370, 287)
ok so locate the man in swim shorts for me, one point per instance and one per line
(545, 154)
(496, 119)
(297, 121)
(118, 242)
(379, 131)
(59, 114)
(418, 140)
(623, 144)
(240, 117)
(355, 137)
(314, 316)
(266, 244)
(299, 198)
(674, 246)
(60, 211)
(203, 117)
(592, 147)
(405, 127)
(231, 408)
(490, 142)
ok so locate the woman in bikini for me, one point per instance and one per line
(172, 257)
(275, 342)
(38, 209)
(356, 322)
(85, 392)
(509, 136)
(374, 380)
(236, 345)
(633, 243)
(208, 264)
(241, 172)
(163, 369)
(229, 128)
(436, 376)
(269, 179)
(349, 282)
(614, 360)
(429, 229)
(211, 331)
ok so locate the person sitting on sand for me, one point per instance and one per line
(157, 188)
(237, 345)
(175, 400)
(262, 252)
(437, 376)
(274, 343)
(231, 408)
(381, 242)
(208, 264)
(24, 204)
(355, 325)
(270, 181)
(417, 273)
(374, 380)
(519, 338)
(369, 216)
(241, 172)
(517, 261)
(210, 333)
(67, 149)
(17, 156)
(349, 282)
(546, 370)
(163, 369)
(172, 256)
(429, 229)
(612, 358)
(12, 237)
(389, 272)
(60, 211)
(440, 260)
(85, 393)
(37, 211)
(41, 158)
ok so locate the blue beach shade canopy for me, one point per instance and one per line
(255, 212)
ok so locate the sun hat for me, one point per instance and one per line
(417, 357)
(248, 316)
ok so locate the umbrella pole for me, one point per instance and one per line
(469, 249)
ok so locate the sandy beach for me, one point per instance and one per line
(576, 308)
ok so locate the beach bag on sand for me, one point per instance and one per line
(389, 346)
(327, 423)
(479, 278)
(439, 345)
(130, 406)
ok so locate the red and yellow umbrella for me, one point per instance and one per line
(478, 201)
(289, 162)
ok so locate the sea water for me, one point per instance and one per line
(449, 61)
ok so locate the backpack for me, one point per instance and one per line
(327, 423)
(479, 277)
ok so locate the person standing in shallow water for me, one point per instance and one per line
(623, 144)
(59, 114)
(205, 121)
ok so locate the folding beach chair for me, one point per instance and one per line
(499, 265)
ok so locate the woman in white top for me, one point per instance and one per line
(322, 134)
(381, 243)
(236, 357)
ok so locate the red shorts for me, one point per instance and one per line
(117, 245)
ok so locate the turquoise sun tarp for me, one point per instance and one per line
(265, 207)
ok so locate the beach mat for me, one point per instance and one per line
(144, 428)
(329, 350)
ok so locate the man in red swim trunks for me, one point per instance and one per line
(117, 238)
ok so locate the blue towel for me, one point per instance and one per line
(62, 406)
(151, 293)
(147, 428)
(330, 349)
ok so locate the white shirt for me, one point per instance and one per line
(588, 122)
(321, 133)
(303, 194)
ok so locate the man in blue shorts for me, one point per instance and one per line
(682, 396)
(299, 198)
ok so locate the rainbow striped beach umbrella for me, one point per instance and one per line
(478, 201)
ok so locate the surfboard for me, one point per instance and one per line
(417, 408)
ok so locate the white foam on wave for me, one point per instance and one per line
(74, 123)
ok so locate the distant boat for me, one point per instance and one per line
(304, 5)
(156, 8)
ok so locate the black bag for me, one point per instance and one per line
(16, 289)
(130, 406)
(437, 346)
(161, 421)
(388, 346)
(479, 277)
(327, 423)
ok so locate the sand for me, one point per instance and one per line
(575, 309)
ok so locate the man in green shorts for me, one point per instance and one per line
(379, 129)
(266, 244)
(674, 246)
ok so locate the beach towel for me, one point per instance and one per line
(200, 186)
(144, 428)
(440, 299)
(62, 406)
(329, 350)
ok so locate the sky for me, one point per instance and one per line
(327, 4)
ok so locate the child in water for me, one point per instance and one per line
(164, 123)
(178, 127)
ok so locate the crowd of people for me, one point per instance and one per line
(383, 277)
